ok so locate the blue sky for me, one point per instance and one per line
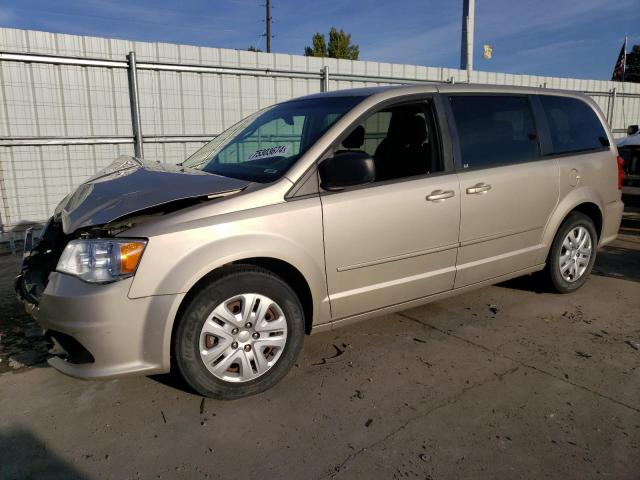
(575, 38)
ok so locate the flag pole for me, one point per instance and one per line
(624, 58)
(624, 68)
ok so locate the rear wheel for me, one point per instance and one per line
(572, 253)
(240, 334)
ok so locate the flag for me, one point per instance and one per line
(618, 70)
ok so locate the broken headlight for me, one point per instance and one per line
(101, 260)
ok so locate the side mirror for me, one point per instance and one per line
(632, 129)
(346, 169)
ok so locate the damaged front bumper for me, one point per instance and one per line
(99, 331)
(30, 303)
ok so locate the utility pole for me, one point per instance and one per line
(466, 50)
(268, 22)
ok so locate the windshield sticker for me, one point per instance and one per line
(269, 152)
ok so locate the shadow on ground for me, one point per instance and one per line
(173, 380)
(24, 456)
(621, 259)
(619, 262)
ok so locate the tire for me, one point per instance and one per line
(242, 289)
(576, 222)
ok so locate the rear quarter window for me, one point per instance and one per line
(573, 125)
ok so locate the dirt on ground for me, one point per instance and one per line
(21, 341)
(508, 381)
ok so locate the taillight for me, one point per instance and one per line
(620, 171)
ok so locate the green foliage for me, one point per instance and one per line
(340, 46)
(318, 48)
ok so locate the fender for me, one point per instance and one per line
(192, 268)
(207, 258)
(176, 260)
(198, 263)
(577, 196)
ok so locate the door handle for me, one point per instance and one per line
(479, 188)
(437, 195)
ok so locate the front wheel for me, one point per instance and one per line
(240, 334)
(572, 253)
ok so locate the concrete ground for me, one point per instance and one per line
(504, 382)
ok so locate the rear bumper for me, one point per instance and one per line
(115, 335)
(612, 216)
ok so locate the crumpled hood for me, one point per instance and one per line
(130, 185)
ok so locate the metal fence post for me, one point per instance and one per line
(135, 105)
(325, 79)
(612, 118)
(5, 217)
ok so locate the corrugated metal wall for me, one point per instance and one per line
(61, 123)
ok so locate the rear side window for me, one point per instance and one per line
(494, 130)
(573, 125)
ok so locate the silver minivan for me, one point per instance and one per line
(315, 213)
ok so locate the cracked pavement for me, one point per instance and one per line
(503, 382)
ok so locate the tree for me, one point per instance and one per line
(632, 70)
(340, 46)
(253, 49)
(318, 46)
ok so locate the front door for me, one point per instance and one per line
(396, 239)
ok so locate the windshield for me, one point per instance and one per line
(263, 146)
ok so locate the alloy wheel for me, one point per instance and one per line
(575, 254)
